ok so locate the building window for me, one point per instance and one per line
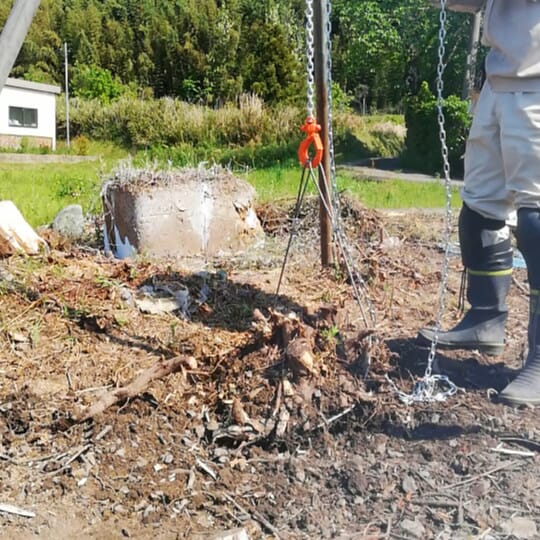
(21, 117)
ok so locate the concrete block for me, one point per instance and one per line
(179, 213)
(16, 235)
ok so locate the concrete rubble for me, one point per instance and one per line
(16, 235)
(179, 212)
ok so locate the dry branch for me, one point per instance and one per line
(160, 369)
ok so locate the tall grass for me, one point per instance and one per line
(248, 132)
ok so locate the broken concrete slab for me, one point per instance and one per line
(179, 212)
(16, 235)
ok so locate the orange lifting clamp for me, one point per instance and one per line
(311, 128)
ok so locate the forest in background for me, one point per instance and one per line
(210, 52)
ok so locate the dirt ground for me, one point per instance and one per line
(278, 416)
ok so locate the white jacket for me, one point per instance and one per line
(512, 31)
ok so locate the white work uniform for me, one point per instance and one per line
(502, 158)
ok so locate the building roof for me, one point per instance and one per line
(29, 85)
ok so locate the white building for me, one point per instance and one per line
(28, 110)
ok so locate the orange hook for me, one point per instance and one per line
(311, 128)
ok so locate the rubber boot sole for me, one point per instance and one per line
(518, 401)
(491, 349)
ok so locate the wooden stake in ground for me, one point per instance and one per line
(160, 369)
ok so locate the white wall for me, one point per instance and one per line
(44, 102)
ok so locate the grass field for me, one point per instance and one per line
(40, 190)
(279, 183)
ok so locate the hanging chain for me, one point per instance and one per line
(331, 155)
(438, 387)
(358, 285)
(310, 56)
(447, 183)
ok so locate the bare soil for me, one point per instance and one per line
(248, 431)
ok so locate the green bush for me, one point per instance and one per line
(80, 145)
(422, 144)
(94, 82)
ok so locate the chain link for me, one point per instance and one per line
(310, 56)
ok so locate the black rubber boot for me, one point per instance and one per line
(525, 388)
(487, 255)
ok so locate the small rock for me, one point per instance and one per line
(288, 389)
(520, 527)
(234, 534)
(167, 458)
(408, 484)
(220, 452)
(414, 528)
(390, 243)
(120, 509)
(141, 462)
(69, 221)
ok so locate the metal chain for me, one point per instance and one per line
(447, 183)
(310, 56)
(438, 387)
(331, 154)
(358, 285)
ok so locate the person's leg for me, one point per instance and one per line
(484, 238)
(521, 154)
(525, 388)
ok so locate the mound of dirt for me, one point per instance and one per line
(158, 400)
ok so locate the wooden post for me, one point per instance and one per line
(321, 89)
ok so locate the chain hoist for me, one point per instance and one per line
(432, 387)
(311, 163)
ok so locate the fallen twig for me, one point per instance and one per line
(5, 457)
(10, 509)
(509, 451)
(103, 432)
(160, 369)
(207, 469)
(478, 476)
(260, 518)
(70, 460)
(327, 421)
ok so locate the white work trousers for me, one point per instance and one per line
(502, 158)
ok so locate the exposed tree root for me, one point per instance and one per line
(160, 369)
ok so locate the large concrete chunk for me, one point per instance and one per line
(179, 213)
(16, 235)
